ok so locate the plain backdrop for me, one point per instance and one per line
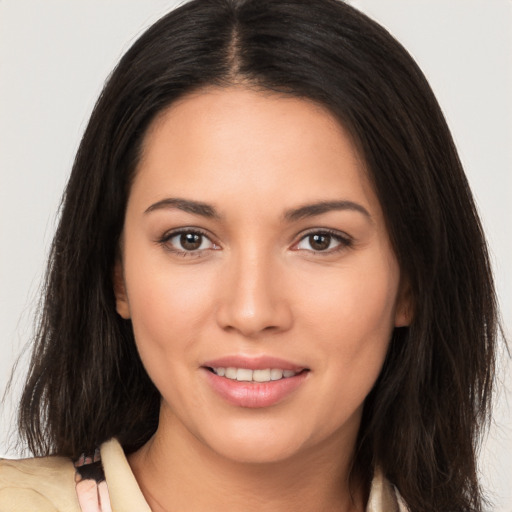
(55, 56)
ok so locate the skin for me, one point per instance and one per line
(257, 285)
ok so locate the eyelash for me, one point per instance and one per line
(196, 253)
(344, 242)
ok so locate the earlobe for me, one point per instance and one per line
(122, 305)
(404, 306)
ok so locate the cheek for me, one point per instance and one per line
(169, 312)
(352, 303)
(167, 308)
(351, 318)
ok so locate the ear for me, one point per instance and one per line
(404, 305)
(122, 305)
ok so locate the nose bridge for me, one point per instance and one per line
(253, 299)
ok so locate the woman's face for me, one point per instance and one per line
(258, 274)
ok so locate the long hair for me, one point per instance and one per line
(422, 420)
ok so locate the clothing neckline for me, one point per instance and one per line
(126, 495)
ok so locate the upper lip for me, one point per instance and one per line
(253, 363)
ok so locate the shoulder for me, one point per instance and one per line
(45, 484)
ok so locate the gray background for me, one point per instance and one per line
(55, 55)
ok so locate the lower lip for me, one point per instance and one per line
(254, 394)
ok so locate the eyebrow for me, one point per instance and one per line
(311, 210)
(186, 205)
(295, 214)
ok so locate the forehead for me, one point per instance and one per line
(221, 140)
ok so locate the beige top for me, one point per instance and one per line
(47, 484)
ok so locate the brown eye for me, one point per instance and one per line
(191, 241)
(319, 242)
(324, 241)
(187, 242)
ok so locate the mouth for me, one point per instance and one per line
(254, 382)
(256, 375)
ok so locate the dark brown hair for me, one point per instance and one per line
(422, 419)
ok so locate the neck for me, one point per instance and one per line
(176, 471)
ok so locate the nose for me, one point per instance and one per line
(254, 297)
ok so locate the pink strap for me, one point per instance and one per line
(91, 487)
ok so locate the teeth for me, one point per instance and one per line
(248, 375)
(261, 375)
(244, 374)
(276, 374)
(230, 373)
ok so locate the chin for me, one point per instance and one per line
(270, 451)
(257, 442)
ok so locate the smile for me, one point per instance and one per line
(255, 383)
(248, 375)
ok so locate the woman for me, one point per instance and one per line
(269, 287)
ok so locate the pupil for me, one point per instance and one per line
(190, 241)
(320, 242)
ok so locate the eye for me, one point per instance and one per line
(323, 241)
(189, 241)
